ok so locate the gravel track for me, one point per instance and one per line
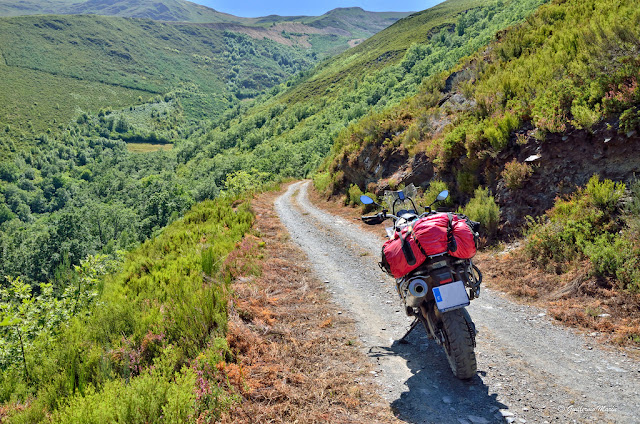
(529, 370)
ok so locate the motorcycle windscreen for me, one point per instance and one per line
(451, 296)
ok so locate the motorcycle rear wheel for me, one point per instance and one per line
(459, 343)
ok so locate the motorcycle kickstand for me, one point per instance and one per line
(403, 340)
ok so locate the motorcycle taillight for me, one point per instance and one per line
(442, 276)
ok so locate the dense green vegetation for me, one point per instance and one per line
(596, 223)
(291, 133)
(209, 69)
(77, 191)
(137, 345)
(76, 335)
(568, 66)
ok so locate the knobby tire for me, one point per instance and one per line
(459, 344)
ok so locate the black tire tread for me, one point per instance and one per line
(460, 352)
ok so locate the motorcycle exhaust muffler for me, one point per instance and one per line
(416, 292)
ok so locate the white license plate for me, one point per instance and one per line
(451, 296)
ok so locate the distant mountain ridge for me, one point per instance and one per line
(353, 19)
(351, 25)
(184, 43)
(162, 10)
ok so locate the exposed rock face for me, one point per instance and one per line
(371, 166)
(561, 163)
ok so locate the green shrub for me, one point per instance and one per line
(543, 244)
(590, 224)
(158, 395)
(483, 208)
(322, 181)
(583, 116)
(149, 320)
(466, 181)
(353, 196)
(497, 130)
(516, 173)
(630, 120)
(606, 194)
(430, 194)
(615, 256)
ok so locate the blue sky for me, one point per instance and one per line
(254, 8)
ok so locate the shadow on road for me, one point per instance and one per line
(434, 394)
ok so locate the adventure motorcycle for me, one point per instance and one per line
(430, 257)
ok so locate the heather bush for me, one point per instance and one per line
(605, 195)
(129, 354)
(353, 196)
(322, 181)
(432, 191)
(630, 120)
(516, 173)
(591, 224)
(483, 208)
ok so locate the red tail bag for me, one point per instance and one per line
(433, 235)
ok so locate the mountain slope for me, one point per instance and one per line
(212, 68)
(557, 74)
(292, 132)
(546, 118)
(163, 10)
(360, 23)
(212, 65)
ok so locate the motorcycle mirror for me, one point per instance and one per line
(366, 200)
(401, 195)
(443, 195)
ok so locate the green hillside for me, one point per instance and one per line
(292, 132)
(561, 70)
(458, 91)
(80, 172)
(549, 109)
(209, 69)
(161, 10)
(331, 33)
(358, 22)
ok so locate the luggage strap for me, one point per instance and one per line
(424, 252)
(452, 245)
(406, 247)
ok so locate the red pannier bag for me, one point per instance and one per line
(393, 258)
(430, 236)
(431, 233)
(465, 237)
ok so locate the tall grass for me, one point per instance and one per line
(156, 329)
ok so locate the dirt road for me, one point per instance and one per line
(529, 370)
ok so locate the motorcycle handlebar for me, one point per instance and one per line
(378, 218)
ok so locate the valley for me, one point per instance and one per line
(135, 135)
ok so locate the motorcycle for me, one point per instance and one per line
(436, 291)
